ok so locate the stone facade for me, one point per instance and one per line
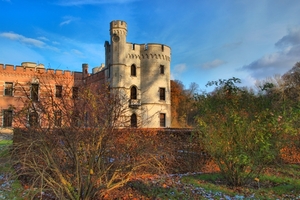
(138, 72)
(142, 71)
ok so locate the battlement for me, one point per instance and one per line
(6, 68)
(118, 27)
(155, 47)
(118, 24)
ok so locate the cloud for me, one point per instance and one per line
(55, 43)
(91, 2)
(43, 38)
(77, 52)
(28, 41)
(213, 64)
(291, 39)
(65, 22)
(278, 62)
(23, 39)
(178, 70)
(68, 20)
(232, 45)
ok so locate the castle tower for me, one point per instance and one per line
(118, 33)
(85, 68)
(141, 74)
(117, 52)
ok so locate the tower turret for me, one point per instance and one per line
(85, 68)
(118, 28)
(118, 33)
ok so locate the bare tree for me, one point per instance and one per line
(67, 145)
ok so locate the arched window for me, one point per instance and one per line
(133, 120)
(133, 70)
(133, 93)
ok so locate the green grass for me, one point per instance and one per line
(10, 188)
(282, 182)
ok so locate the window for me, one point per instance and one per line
(57, 118)
(33, 119)
(162, 119)
(133, 70)
(7, 118)
(34, 93)
(75, 117)
(162, 94)
(162, 69)
(58, 91)
(8, 89)
(133, 120)
(75, 91)
(133, 93)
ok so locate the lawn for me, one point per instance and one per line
(10, 188)
(277, 182)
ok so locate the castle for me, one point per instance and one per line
(140, 72)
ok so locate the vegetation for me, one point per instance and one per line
(242, 131)
(71, 148)
(249, 134)
(10, 187)
(182, 102)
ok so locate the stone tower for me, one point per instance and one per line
(140, 73)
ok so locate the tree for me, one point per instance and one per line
(71, 147)
(182, 102)
(240, 130)
(177, 98)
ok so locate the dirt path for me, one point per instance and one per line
(6, 134)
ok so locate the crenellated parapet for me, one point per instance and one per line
(17, 69)
(149, 51)
(148, 56)
(118, 27)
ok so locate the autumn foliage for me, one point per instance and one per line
(242, 131)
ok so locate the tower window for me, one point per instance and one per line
(34, 93)
(75, 91)
(162, 93)
(8, 89)
(162, 120)
(133, 120)
(162, 69)
(133, 93)
(7, 118)
(58, 91)
(57, 118)
(133, 70)
(33, 119)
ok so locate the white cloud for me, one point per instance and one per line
(178, 70)
(91, 2)
(292, 38)
(68, 20)
(43, 38)
(55, 43)
(28, 41)
(77, 52)
(23, 39)
(277, 62)
(65, 22)
(213, 64)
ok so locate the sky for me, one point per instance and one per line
(209, 39)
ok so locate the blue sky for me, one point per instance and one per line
(210, 39)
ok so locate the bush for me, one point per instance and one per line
(240, 130)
